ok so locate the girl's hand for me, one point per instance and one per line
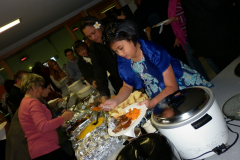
(176, 43)
(149, 103)
(111, 103)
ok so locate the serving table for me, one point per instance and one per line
(226, 85)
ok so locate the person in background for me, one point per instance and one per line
(72, 65)
(87, 41)
(37, 69)
(64, 67)
(59, 77)
(37, 123)
(16, 144)
(103, 60)
(150, 13)
(178, 23)
(117, 14)
(8, 84)
(213, 29)
(43, 70)
(145, 64)
(15, 96)
(84, 62)
(65, 144)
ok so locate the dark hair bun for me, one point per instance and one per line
(121, 30)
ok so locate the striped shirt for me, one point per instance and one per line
(181, 17)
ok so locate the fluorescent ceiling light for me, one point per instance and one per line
(9, 25)
(108, 9)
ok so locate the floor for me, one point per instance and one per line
(208, 69)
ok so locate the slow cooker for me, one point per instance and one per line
(192, 121)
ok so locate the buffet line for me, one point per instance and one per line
(89, 128)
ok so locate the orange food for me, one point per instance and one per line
(133, 114)
(96, 109)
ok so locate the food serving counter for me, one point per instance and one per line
(226, 85)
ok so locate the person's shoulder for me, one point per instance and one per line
(29, 99)
(15, 91)
(67, 63)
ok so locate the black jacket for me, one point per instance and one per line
(102, 61)
(86, 70)
(14, 99)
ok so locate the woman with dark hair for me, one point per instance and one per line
(146, 64)
(103, 60)
(37, 123)
(84, 61)
(59, 77)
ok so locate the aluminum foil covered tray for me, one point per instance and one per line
(97, 144)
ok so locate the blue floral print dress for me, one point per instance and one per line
(153, 86)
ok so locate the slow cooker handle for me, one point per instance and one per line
(202, 121)
(178, 101)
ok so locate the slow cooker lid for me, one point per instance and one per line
(180, 105)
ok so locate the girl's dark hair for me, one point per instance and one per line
(89, 21)
(121, 30)
(79, 44)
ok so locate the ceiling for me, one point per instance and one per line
(37, 17)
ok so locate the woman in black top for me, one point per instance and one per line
(102, 58)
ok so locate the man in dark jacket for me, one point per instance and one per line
(15, 96)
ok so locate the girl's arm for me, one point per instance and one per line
(170, 87)
(123, 94)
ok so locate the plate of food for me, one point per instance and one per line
(128, 120)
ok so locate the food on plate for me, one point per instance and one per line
(123, 123)
(90, 128)
(96, 108)
(115, 113)
(133, 114)
(137, 94)
(76, 124)
(131, 99)
(134, 97)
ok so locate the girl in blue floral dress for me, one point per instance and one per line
(146, 64)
